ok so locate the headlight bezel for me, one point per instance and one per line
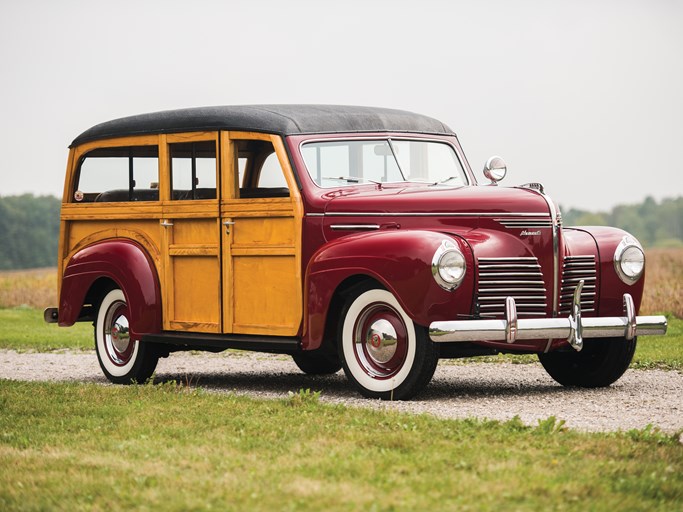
(628, 244)
(440, 263)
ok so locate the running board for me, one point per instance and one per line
(199, 341)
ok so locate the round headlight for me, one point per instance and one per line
(448, 266)
(629, 260)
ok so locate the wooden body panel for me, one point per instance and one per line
(241, 278)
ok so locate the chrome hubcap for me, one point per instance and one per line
(380, 341)
(117, 334)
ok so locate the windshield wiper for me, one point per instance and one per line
(348, 179)
(446, 180)
(352, 179)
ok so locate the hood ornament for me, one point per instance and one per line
(534, 186)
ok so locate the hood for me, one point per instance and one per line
(509, 231)
(475, 200)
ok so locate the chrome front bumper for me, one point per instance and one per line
(573, 328)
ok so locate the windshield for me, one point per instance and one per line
(336, 163)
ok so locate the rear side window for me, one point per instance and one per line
(109, 175)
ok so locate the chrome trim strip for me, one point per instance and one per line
(512, 274)
(431, 214)
(530, 223)
(556, 225)
(512, 289)
(354, 227)
(509, 258)
(521, 265)
(511, 282)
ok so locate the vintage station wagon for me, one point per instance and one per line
(347, 237)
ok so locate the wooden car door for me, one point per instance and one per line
(190, 231)
(261, 213)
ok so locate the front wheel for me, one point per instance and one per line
(123, 359)
(383, 352)
(600, 363)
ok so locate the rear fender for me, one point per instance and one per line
(125, 263)
(400, 261)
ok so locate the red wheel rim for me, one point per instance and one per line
(117, 341)
(380, 341)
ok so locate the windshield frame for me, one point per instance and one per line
(468, 178)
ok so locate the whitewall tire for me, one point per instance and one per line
(122, 358)
(383, 352)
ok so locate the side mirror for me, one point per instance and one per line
(495, 169)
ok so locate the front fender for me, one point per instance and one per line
(127, 264)
(400, 261)
(612, 288)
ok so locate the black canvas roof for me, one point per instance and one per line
(279, 119)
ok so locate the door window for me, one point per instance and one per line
(260, 172)
(193, 170)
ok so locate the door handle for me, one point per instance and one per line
(166, 223)
(227, 224)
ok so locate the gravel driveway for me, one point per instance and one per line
(482, 390)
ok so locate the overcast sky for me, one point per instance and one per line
(583, 96)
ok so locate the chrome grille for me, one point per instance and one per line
(576, 268)
(519, 278)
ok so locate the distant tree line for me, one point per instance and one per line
(653, 224)
(29, 226)
(29, 231)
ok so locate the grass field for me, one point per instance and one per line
(168, 447)
(88, 447)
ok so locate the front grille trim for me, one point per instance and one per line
(574, 270)
(519, 278)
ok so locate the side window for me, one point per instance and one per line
(118, 174)
(193, 170)
(271, 175)
(260, 172)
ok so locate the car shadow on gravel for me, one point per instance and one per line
(337, 386)
(275, 383)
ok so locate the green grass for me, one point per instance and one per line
(167, 447)
(24, 329)
(665, 352)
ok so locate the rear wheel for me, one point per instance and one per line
(123, 359)
(383, 352)
(600, 363)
